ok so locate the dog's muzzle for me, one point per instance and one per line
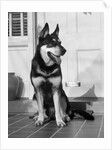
(56, 59)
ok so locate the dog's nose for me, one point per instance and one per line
(63, 51)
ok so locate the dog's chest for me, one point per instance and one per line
(55, 81)
(37, 81)
(49, 82)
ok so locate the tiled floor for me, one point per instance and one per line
(20, 126)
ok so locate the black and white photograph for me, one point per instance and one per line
(55, 76)
(58, 76)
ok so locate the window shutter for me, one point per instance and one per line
(25, 24)
(17, 24)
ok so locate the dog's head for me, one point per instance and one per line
(50, 46)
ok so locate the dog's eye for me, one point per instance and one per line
(54, 40)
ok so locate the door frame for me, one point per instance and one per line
(32, 43)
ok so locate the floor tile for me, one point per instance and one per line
(20, 134)
(76, 127)
(90, 128)
(20, 123)
(102, 131)
(70, 130)
(41, 135)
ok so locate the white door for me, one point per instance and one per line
(82, 36)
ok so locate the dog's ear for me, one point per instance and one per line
(56, 32)
(45, 31)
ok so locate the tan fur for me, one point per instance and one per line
(37, 81)
(44, 50)
(55, 81)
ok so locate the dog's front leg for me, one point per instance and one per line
(40, 119)
(59, 119)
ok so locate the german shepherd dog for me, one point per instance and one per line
(46, 78)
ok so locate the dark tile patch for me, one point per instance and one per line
(90, 128)
(52, 124)
(31, 127)
(47, 131)
(89, 133)
(64, 135)
(41, 135)
(20, 134)
(14, 119)
(102, 131)
(70, 130)
(13, 129)
(9, 132)
(21, 123)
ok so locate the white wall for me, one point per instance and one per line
(81, 35)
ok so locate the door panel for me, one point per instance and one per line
(90, 70)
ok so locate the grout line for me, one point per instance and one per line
(19, 129)
(17, 121)
(98, 114)
(80, 128)
(100, 127)
(56, 132)
(38, 130)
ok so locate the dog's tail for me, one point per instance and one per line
(81, 114)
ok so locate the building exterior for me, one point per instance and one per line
(82, 36)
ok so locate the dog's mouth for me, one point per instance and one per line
(56, 59)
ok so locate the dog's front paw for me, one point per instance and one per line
(60, 123)
(40, 120)
(36, 117)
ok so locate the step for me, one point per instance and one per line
(27, 105)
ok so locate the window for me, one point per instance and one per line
(17, 24)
